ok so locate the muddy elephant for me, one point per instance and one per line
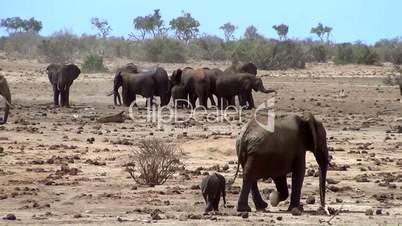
(6, 94)
(229, 85)
(147, 84)
(266, 153)
(196, 83)
(213, 187)
(62, 77)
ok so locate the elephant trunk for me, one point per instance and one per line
(116, 96)
(267, 90)
(323, 178)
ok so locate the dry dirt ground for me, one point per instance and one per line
(364, 132)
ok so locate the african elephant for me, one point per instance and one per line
(5, 92)
(212, 74)
(61, 77)
(241, 84)
(400, 84)
(213, 187)
(179, 95)
(147, 84)
(196, 83)
(243, 68)
(265, 153)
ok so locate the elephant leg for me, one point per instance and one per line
(250, 101)
(211, 98)
(203, 100)
(205, 198)
(242, 100)
(259, 203)
(215, 204)
(56, 95)
(62, 98)
(297, 183)
(282, 187)
(232, 101)
(67, 97)
(209, 206)
(242, 204)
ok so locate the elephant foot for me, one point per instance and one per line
(261, 205)
(296, 210)
(245, 208)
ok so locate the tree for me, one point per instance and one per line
(102, 25)
(185, 26)
(252, 33)
(281, 30)
(16, 24)
(322, 32)
(151, 24)
(228, 30)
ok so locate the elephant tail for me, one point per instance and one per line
(241, 155)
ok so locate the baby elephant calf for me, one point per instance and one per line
(213, 186)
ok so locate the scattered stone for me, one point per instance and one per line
(310, 199)
(10, 217)
(78, 215)
(369, 212)
(244, 215)
(378, 212)
(296, 211)
(279, 218)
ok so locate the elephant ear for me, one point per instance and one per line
(176, 76)
(308, 117)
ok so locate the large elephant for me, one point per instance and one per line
(5, 92)
(243, 68)
(229, 85)
(147, 84)
(61, 77)
(195, 81)
(264, 153)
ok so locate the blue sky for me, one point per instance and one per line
(367, 20)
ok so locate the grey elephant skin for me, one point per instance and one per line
(265, 154)
(195, 81)
(62, 77)
(179, 96)
(213, 187)
(239, 84)
(5, 92)
(400, 84)
(145, 83)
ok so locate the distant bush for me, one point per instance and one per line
(270, 55)
(93, 63)
(207, 48)
(318, 53)
(24, 43)
(357, 54)
(165, 50)
(154, 162)
(396, 55)
(60, 48)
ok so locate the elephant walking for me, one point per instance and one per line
(196, 83)
(6, 94)
(61, 77)
(147, 84)
(229, 85)
(263, 153)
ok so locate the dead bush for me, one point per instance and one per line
(153, 162)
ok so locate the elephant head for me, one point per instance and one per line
(258, 85)
(5, 92)
(318, 145)
(248, 68)
(67, 74)
(175, 78)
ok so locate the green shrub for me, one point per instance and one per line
(357, 54)
(24, 43)
(344, 54)
(208, 48)
(59, 48)
(318, 53)
(93, 63)
(269, 55)
(165, 50)
(396, 55)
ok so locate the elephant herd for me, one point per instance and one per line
(187, 85)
